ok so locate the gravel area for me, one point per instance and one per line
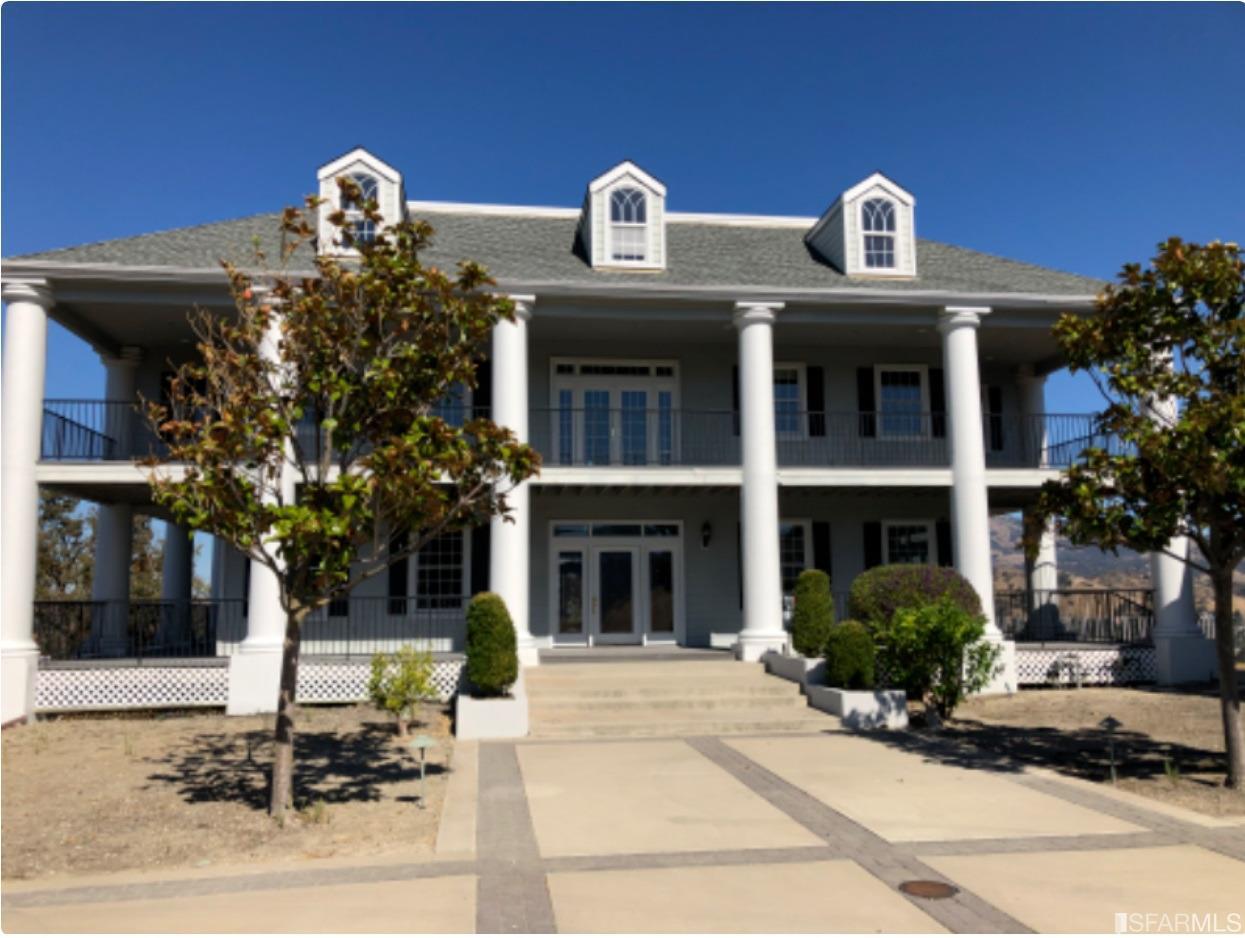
(190, 790)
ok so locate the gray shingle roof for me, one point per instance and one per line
(525, 247)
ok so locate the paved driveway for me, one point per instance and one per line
(812, 833)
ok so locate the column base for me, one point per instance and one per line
(1004, 680)
(19, 676)
(254, 680)
(1184, 659)
(529, 654)
(754, 647)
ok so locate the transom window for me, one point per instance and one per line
(628, 225)
(907, 541)
(363, 230)
(877, 221)
(901, 401)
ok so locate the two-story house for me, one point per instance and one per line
(721, 401)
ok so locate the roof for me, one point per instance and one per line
(520, 245)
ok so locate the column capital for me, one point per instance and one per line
(29, 291)
(748, 312)
(523, 304)
(958, 317)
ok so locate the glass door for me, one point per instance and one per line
(614, 594)
(571, 588)
(660, 605)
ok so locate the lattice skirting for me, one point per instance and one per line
(1127, 664)
(157, 685)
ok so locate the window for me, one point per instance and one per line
(363, 229)
(907, 541)
(788, 400)
(455, 407)
(792, 552)
(901, 401)
(439, 574)
(628, 225)
(877, 221)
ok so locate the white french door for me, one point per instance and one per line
(614, 413)
(613, 593)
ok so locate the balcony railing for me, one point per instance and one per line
(1120, 616)
(115, 430)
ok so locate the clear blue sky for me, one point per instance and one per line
(1072, 136)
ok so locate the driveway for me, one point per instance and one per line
(803, 833)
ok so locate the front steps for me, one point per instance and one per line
(619, 699)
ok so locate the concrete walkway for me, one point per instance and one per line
(797, 833)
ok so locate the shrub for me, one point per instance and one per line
(813, 615)
(849, 656)
(492, 655)
(399, 682)
(876, 594)
(937, 652)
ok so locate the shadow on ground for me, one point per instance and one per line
(330, 766)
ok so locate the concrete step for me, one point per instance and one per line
(721, 724)
(604, 669)
(726, 699)
(638, 690)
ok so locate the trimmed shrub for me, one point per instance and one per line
(850, 657)
(492, 654)
(813, 614)
(876, 594)
(399, 682)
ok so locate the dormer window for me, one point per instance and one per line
(877, 222)
(628, 225)
(378, 182)
(364, 229)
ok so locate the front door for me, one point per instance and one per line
(613, 595)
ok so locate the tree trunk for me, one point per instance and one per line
(1229, 695)
(403, 727)
(282, 788)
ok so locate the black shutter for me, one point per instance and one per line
(399, 579)
(339, 607)
(994, 397)
(739, 560)
(482, 397)
(873, 544)
(481, 538)
(865, 403)
(816, 378)
(938, 402)
(821, 547)
(735, 400)
(942, 534)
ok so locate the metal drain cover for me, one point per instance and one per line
(928, 889)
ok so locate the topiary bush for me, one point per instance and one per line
(813, 615)
(850, 657)
(878, 593)
(492, 653)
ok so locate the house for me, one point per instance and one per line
(721, 401)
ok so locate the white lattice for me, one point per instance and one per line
(345, 681)
(1131, 664)
(121, 688)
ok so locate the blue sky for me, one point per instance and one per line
(1071, 136)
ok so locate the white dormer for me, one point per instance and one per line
(623, 223)
(377, 180)
(869, 231)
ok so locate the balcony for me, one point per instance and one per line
(93, 431)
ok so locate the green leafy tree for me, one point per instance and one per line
(308, 425)
(1165, 349)
(813, 614)
(66, 546)
(400, 682)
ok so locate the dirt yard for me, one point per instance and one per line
(114, 793)
(1169, 745)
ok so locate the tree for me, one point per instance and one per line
(66, 547)
(308, 424)
(146, 563)
(1165, 350)
(400, 682)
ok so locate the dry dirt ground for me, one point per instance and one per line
(1169, 745)
(187, 790)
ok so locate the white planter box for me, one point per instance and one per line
(862, 709)
(492, 717)
(804, 671)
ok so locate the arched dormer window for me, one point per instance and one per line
(628, 225)
(364, 230)
(877, 222)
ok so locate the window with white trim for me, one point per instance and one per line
(440, 572)
(793, 545)
(628, 225)
(363, 229)
(908, 542)
(877, 226)
(902, 400)
(788, 400)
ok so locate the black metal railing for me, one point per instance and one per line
(360, 626)
(96, 430)
(68, 630)
(1121, 616)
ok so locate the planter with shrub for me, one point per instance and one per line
(494, 703)
(849, 692)
(811, 620)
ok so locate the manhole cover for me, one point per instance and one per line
(928, 889)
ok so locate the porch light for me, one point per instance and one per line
(421, 745)
(706, 532)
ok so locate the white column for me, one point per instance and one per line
(510, 541)
(1033, 407)
(120, 399)
(970, 512)
(1182, 653)
(25, 357)
(758, 496)
(177, 580)
(1041, 583)
(255, 668)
